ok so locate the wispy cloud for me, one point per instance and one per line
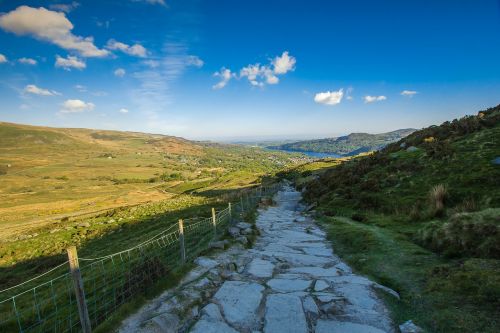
(329, 97)
(225, 75)
(136, 50)
(50, 26)
(120, 72)
(27, 61)
(69, 62)
(409, 93)
(371, 99)
(153, 96)
(152, 2)
(3, 59)
(33, 89)
(123, 110)
(65, 7)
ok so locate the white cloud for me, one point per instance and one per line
(61, 7)
(120, 72)
(409, 93)
(153, 2)
(151, 63)
(27, 61)
(284, 64)
(225, 75)
(81, 88)
(76, 105)
(136, 50)
(371, 99)
(70, 62)
(32, 89)
(258, 75)
(2, 58)
(329, 97)
(195, 61)
(50, 26)
(123, 110)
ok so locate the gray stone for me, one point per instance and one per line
(316, 271)
(239, 301)
(284, 285)
(242, 239)
(321, 285)
(165, 323)
(310, 306)
(410, 327)
(284, 314)
(244, 225)
(202, 283)
(84, 225)
(412, 149)
(205, 326)
(402, 145)
(247, 231)
(496, 161)
(206, 262)
(261, 268)
(211, 312)
(233, 231)
(329, 326)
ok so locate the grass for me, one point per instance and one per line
(439, 294)
(423, 221)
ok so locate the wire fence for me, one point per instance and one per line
(50, 302)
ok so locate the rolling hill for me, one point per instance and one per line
(51, 173)
(349, 145)
(422, 216)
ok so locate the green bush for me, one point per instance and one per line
(475, 234)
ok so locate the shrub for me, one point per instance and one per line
(437, 197)
(473, 234)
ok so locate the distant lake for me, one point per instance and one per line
(309, 153)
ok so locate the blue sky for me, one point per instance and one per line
(247, 69)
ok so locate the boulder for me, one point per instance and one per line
(411, 149)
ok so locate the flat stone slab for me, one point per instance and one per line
(285, 285)
(205, 326)
(239, 301)
(321, 285)
(331, 326)
(315, 271)
(261, 268)
(284, 314)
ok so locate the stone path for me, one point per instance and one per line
(290, 282)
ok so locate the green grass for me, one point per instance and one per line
(438, 294)
(383, 218)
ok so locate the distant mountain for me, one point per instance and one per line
(348, 145)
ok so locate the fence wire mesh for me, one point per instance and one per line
(47, 303)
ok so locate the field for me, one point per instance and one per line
(104, 190)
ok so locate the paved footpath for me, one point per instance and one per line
(291, 282)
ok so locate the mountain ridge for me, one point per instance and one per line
(347, 145)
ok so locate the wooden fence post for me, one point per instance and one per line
(74, 268)
(214, 222)
(242, 206)
(181, 241)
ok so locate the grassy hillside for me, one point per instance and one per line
(423, 217)
(105, 190)
(349, 145)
